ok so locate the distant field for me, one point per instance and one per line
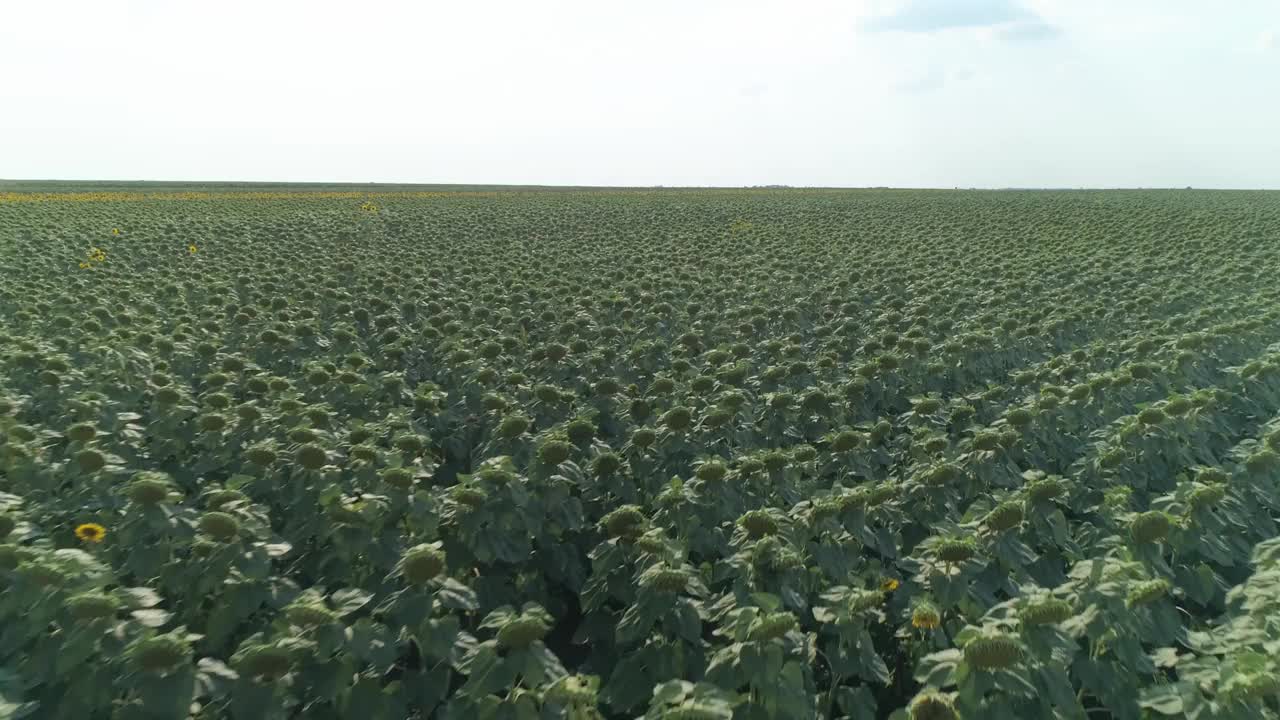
(72, 185)
(333, 451)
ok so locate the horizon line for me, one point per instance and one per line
(766, 186)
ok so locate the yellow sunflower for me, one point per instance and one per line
(925, 617)
(889, 585)
(91, 532)
(193, 249)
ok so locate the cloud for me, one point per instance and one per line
(932, 79)
(1028, 31)
(935, 77)
(1268, 40)
(923, 16)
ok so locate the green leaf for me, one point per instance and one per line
(935, 670)
(671, 692)
(327, 679)
(766, 601)
(75, 650)
(365, 698)
(542, 666)
(167, 696)
(349, 600)
(277, 549)
(372, 643)
(456, 596)
(486, 672)
(140, 597)
(856, 702)
(1165, 657)
(1163, 699)
(688, 622)
(151, 617)
(213, 677)
(252, 701)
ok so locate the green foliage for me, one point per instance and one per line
(684, 454)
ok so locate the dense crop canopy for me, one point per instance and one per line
(666, 454)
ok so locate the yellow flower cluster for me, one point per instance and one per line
(95, 255)
(925, 616)
(91, 532)
(73, 197)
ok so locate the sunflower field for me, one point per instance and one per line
(664, 454)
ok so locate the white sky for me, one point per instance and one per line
(692, 92)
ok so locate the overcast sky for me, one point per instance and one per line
(989, 93)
